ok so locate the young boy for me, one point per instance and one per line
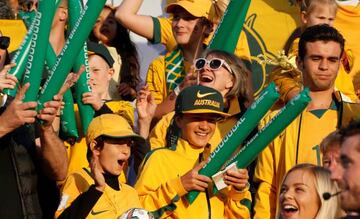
(97, 192)
(101, 71)
(168, 174)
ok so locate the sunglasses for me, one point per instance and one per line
(4, 42)
(213, 64)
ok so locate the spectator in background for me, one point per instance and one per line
(314, 12)
(330, 147)
(30, 167)
(4, 54)
(111, 33)
(350, 160)
(6, 10)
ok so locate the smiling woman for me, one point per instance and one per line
(301, 194)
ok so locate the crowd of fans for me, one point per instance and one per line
(146, 144)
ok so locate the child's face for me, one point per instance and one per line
(197, 129)
(298, 196)
(100, 74)
(186, 28)
(319, 14)
(114, 154)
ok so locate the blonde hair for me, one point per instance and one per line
(217, 10)
(328, 208)
(308, 5)
(333, 140)
(241, 74)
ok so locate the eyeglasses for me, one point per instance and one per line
(4, 42)
(213, 64)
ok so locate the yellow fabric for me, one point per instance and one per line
(286, 81)
(156, 78)
(347, 20)
(16, 30)
(158, 133)
(160, 189)
(111, 204)
(110, 125)
(280, 155)
(167, 38)
(77, 153)
(197, 8)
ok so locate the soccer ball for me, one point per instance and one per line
(136, 213)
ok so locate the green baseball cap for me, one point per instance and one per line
(200, 99)
(100, 50)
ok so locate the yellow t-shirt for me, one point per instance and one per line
(111, 204)
(347, 20)
(157, 80)
(163, 34)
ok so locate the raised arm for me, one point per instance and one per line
(127, 15)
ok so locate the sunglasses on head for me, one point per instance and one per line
(213, 64)
(4, 42)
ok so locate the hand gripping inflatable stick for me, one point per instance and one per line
(272, 129)
(238, 134)
(74, 44)
(82, 85)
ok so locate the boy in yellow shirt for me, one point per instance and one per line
(97, 192)
(168, 174)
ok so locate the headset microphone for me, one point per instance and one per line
(327, 195)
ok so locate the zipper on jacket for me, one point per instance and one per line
(206, 192)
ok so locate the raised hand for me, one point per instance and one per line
(52, 108)
(70, 80)
(18, 113)
(124, 90)
(238, 178)
(96, 173)
(7, 80)
(189, 80)
(192, 180)
(93, 99)
(145, 104)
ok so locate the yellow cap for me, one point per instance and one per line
(198, 8)
(113, 126)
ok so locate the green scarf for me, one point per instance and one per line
(174, 69)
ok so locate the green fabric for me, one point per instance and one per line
(320, 112)
(227, 33)
(170, 207)
(174, 69)
(247, 203)
(157, 31)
